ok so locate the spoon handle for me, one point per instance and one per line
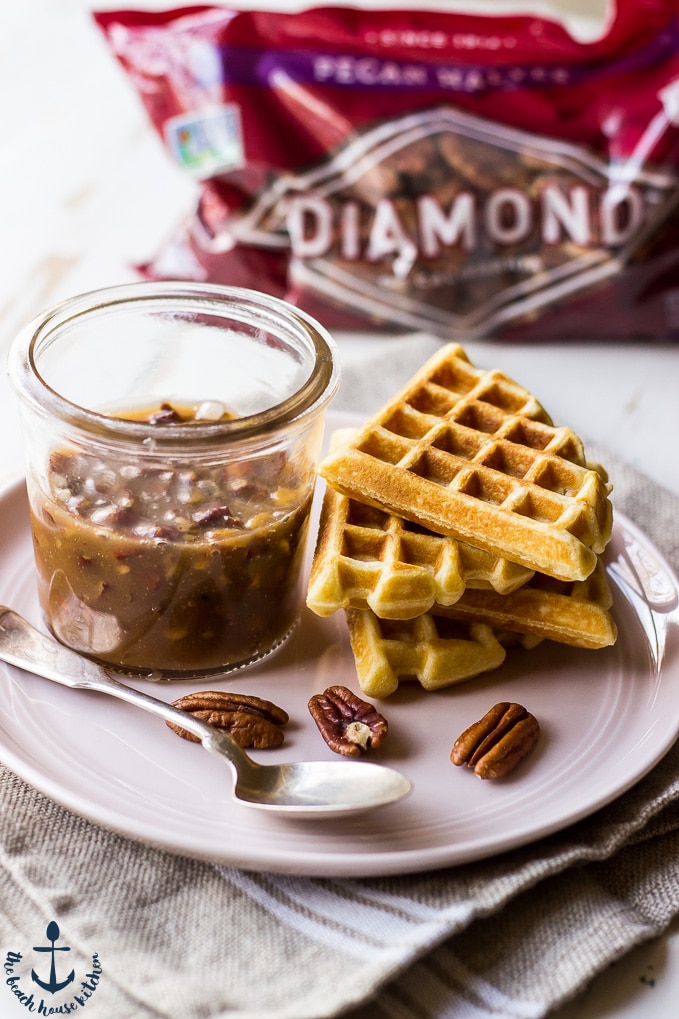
(29, 649)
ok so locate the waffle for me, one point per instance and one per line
(451, 644)
(470, 454)
(432, 649)
(365, 556)
(575, 613)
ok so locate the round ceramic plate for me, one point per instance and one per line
(606, 716)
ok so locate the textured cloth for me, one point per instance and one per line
(513, 936)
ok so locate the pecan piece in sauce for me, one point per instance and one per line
(348, 724)
(252, 721)
(496, 744)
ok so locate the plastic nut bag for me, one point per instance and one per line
(460, 174)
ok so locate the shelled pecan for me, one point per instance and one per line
(348, 724)
(252, 721)
(496, 744)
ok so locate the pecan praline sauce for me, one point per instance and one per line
(148, 568)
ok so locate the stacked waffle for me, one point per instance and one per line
(456, 521)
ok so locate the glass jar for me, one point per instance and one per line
(172, 433)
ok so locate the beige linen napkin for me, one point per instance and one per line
(512, 936)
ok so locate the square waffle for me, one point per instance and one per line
(365, 556)
(470, 454)
(569, 612)
(449, 645)
(436, 651)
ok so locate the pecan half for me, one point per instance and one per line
(495, 744)
(252, 721)
(348, 724)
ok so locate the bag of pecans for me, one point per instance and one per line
(466, 175)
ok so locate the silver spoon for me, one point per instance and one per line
(302, 789)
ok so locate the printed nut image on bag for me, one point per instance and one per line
(460, 174)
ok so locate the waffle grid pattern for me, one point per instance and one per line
(365, 556)
(435, 651)
(472, 455)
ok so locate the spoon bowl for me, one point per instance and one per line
(302, 789)
(323, 788)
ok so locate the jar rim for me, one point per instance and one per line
(242, 305)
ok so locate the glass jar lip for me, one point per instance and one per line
(311, 397)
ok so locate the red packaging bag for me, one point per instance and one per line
(466, 175)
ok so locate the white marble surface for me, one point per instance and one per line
(87, 190)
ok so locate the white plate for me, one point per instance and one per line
(607, 717)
